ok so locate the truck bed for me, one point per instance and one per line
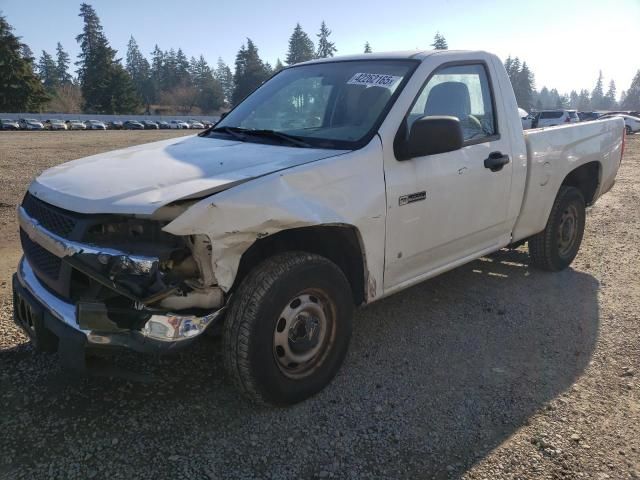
(553, 152)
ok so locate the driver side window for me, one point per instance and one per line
(461, 91)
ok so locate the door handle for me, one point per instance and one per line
(496, 161)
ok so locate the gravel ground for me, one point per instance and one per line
(491, 371)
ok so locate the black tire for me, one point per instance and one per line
(251, 356)
(628, 130)
(557, 245)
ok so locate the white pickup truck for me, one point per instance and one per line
(336, 183)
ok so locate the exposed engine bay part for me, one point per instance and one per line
(204, 298)
(201, 249)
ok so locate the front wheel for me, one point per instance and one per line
(557, 245)
(288, 328)
(628, 130)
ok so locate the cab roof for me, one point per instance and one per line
(397, 55)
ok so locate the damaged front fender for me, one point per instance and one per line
(343, 190)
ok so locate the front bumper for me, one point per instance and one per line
(61, 318)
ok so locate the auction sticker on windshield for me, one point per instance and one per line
(374, 80)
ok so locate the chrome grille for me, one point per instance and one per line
(50, 217)
(39, 258)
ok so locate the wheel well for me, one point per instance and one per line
(586, 178)
(339, 243)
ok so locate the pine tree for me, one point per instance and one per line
(544, 99)
(524, 87)
(20, 88)
(555, 101)
(157, 70)
(279, 66)
(439, 42)
(139, 70)
(632, 97)
(123, 95)
(508, 66)
(574, 99)
(250, 72)
(47, 71)
(584, 101)
(367, 48)
(169, 70)
(95, 62)
(597, 95)
(623, 97)
(300, 47)
(225, 77)
(515, 69)
(610, 97)
(182, 68)
(106, 86)
(210, 95)
(62, 65)
(27, 53)
(325, 47)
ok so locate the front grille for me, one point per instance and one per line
(40, 259)
(53, 219)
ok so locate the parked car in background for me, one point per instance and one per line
(95, 125)
(9, 124)
(526, 118)
(76, 125)
(207, 123)
(588, 116)
(178, 124)
(195, 124)
(149, 125)
(551, 118)
(55, 124)
(631, 123)
(115, 125)
(30, 124)
(164, 125)
(132, 125)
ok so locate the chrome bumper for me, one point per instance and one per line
(163, 332)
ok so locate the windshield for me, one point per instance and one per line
(329, 105)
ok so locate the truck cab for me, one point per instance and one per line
(336, 183)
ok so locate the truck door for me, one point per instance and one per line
(445, 208)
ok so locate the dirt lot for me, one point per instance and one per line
(491, 371)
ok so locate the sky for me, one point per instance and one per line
(565, 42)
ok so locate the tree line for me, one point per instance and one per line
(169, 82)
(522, 80)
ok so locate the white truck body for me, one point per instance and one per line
(413, 219)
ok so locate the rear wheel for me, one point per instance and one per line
(557, 245)
(628, 130)
(288, 328)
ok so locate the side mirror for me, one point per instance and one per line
(432, 135)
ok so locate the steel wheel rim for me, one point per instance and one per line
(303, 333)
(567, 230)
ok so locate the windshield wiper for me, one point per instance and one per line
(240, 133)
(235, 132)
(292, 139)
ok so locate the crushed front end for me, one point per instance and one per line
(100, 281)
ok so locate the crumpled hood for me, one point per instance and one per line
(141, 179)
